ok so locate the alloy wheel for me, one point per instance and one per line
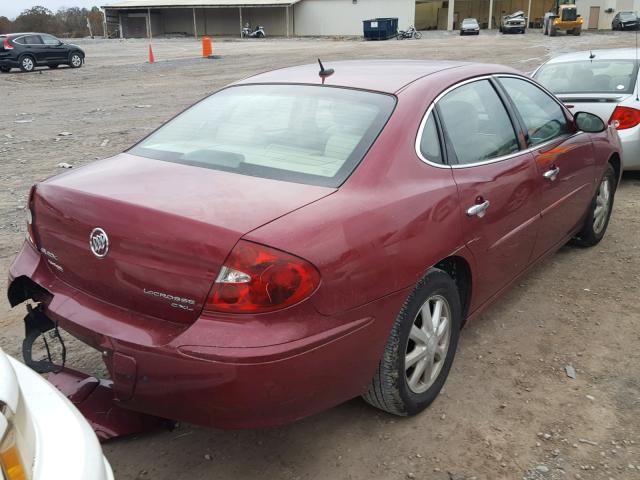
(428, 344)
(76, 61)
(603, 205)
(27, 64)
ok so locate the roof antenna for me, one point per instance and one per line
(324, 72)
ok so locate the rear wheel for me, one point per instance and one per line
(420, 348)
(27, 63)
(597, 219)
(75, 60)
(553, 31)
(5, 69)
(577, 31)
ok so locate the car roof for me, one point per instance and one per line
(387, 76)
(18, 34)
(604, 54)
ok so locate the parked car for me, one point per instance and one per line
(513, 23)
(239, 273)
(42, 435)
(603, 82)
(625, 21)
(470, 26)
(27, 51)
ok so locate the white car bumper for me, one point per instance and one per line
(630, 141)
(65, 445)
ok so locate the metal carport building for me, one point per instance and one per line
(148, 18)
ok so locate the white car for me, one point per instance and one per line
(42, 435)
(602, 82)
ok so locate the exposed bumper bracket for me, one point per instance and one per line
(93, 397)
(36, 323)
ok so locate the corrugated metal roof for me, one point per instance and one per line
(199, 3)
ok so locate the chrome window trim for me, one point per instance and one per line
(492, 160)
(27, 44)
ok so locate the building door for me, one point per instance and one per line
(594, 18)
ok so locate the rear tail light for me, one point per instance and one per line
(257, 279)
(30, 233)
(624, 117)
(6, 44)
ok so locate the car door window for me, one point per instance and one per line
(32, 40)
(543, 117)
(49, 40)
(476, 123)
(430, 141)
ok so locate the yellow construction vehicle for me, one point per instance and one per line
(563, 16)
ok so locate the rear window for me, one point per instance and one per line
(306, 134)
(599, 76)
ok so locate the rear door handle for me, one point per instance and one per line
(551, 174)
(478, 209)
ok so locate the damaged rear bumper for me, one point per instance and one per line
(228, 372)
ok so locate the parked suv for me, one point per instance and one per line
(27, 51)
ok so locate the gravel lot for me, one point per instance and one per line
(508, 409)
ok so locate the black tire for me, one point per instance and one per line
(592, 232)
(577, 31)
(75, 60)
(27, 63)
(53, 66)
(259, 35)
(389, 389)
(553, 31)
(5, 69)
(417, 35)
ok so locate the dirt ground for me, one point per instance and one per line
(508, 410)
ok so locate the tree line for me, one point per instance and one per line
(66, 22)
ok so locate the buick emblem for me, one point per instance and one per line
(99, 242)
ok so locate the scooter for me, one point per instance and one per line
(411, 32)
(257, 33)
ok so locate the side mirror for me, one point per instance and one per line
(590, 123)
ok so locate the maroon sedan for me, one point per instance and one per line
(296, 240)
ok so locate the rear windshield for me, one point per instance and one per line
(599, 76)
(299, 133)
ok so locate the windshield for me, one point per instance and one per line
(306, 134)
(627, 16)
(469, 21)
(599, 76)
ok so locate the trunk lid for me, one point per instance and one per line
(169, 227)
(600, 104)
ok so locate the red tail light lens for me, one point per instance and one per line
(30, 235)
(257, 279)
(6, 44)
(624, 117)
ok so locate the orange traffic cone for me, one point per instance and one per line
(152, 59)
(207, 48)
